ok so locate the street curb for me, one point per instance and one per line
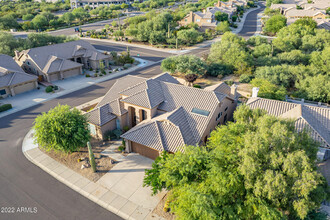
(52, 169)
(104, 78)
(237, 30)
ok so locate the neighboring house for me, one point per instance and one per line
(206, 19)
(316, 120)
(13, 80)
(96, 3)
(161, 113)
(296, 13)
(60, 61)
(203, 20)
(282, 7)
(324, 24)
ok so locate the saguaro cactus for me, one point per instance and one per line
(91, 156)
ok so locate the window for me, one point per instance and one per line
(28, 63)
(198, 20)
(219, 116)
(226, 108)
(209, 21)
(200, 111)
(185, 20)
(2, 92)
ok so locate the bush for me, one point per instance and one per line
(91, 69)
(49, 89)
(55, 87)
(87, 75)
(245, 78)
(117, 133)
(197, 86)
(95, 75)
(121, 148)
(5, 107)
(103, 72)
(125, 128)
(62, 129)
(229, 82)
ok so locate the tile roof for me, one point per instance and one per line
(315, 119)
(100, 115)
(11, 73)
(303, 13)
(50, 56)
(170, 132)
(179, 125)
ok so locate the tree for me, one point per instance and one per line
(321, 60)
(307, 22)
(124, 6)
(189, 65)
(279, 75)
(275, 23)
(256, 168)
(28, 17)
(8, 22)
(269, 90)
(80, 14)
(315, 88)
(223, 27)
(119, 33)
(262, 50)
(39, 22)
(67, 18)
(189, 36)
(61, 129)
(231, 50)
(221, 16)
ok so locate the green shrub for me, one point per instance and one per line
(129, 41)
(96, 71)
(103, 72)
(5, 107)
(121, 148)
(55, 87)
(87, 75)
(125, 128)
(117, 133)
(91, 69)
(49, 89)
(95, 75)
(229, 82)
(197, 86)
(245, 78)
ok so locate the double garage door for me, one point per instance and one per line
(66, 74)
(144, 150)
(24, 87)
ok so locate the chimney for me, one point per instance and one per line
(255, 91)
(204, 10)
(16, 53)
(233, 90)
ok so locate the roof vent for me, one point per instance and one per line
(255, 91)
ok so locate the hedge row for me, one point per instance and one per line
(5, 107)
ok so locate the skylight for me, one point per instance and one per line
(200, 111)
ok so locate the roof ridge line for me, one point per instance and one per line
(320, 136)
(131, 86)
(160, 136)
(11, 79)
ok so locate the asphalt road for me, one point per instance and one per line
(22, 184)
(250, 23)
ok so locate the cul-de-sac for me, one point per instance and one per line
(164, 109)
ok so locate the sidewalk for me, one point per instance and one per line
(34, 97)
(119, 191)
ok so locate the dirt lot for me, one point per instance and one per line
(103, 163)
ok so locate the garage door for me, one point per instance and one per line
(70, 73)
(53, 77)
(23, 88)
(144, 150)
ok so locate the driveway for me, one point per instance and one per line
(126, 179)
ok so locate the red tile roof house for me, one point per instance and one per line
(162, 114)
(13, 80)
(60, 61)
(313, 118)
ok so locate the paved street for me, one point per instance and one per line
(25, 185)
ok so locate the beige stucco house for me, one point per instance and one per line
(13, 80)
(311, 13)
(202, 19)
(161, 113)
(315, 119)
(60, 61)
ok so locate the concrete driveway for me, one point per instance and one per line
(126, 179)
